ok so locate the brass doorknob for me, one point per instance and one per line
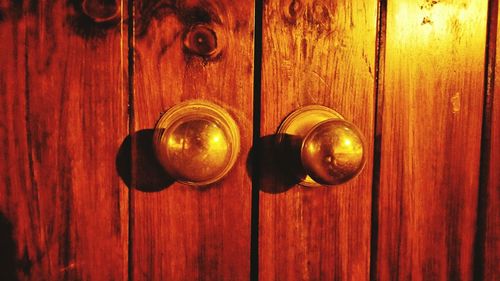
(196, 142)
(331, 150)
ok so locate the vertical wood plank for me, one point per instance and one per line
(63, 106)
(431, 136)
(491, 235)
(181, 232)
(316, 52)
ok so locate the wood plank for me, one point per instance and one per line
(63, 106)
(180, 232)
(316, 52)
(431, 135)
(491, 243)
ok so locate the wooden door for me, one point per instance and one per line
(82, 84)
(180, 232)
(431, 111)
(63, 83)
(317, 52)
(425, 206)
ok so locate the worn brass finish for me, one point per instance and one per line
(333, 152)
(331, 149)
(196, 142)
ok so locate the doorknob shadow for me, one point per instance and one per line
(278, 165)
(8, 257)
(137, 165)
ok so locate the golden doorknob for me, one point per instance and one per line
(196, 142)
(331, 150)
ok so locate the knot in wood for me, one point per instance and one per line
(201, 40)
(101, 10)
(293, 11)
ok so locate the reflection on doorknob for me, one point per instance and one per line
(197, 142)
(331, 150)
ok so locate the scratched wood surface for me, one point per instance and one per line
(180, 232)
(63, 106)
(431, 134)
(316, 52)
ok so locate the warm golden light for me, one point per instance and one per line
(332, 150)
(216, 138)
(420, 23)
(196, 142)
(347, 142)
(338, 155)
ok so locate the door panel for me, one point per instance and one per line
(63, 209)
(316, 52)
(82, 84)
(431, 116)
(180, 232)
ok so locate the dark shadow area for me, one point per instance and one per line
(279, 165)
(377, 145)
(2, 16)
(94, 19)
(254, 161)
(137, 165)
(8, 263)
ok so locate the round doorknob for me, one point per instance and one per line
(196, 142)
(331, 150)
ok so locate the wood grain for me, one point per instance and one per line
(431, 134)
(181, 232)
(491, 246)
(316, 52)
(63, 106)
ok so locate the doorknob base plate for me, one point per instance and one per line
(297, 125)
